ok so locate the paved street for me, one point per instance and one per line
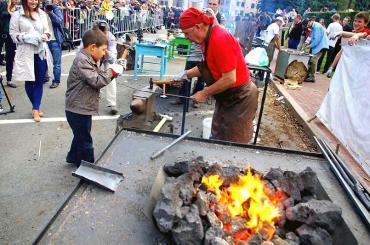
(34, 177)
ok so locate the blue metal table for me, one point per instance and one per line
(150, 50)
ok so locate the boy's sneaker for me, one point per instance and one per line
(1, 108)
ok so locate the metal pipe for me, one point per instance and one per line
(160, 152)
(361, 210)
(267, 79)
(185, 107)
(351, 181)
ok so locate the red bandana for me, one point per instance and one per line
(193, 16)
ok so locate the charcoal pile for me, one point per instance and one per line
(214, 205)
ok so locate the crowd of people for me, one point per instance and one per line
(57, 18)
(311, 35)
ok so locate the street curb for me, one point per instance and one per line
(301, 116)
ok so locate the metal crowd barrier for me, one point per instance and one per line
(77, 21)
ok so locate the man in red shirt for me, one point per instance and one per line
(227, 77)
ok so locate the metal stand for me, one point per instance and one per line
(11, 106)
(185, 107)
(267, 72)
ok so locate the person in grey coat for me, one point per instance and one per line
(84, 82)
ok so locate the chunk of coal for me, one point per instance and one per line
(309, 180)
(291, 184)
(322, 213)
(274, 174)
(186, 183)
(291, 236)
(280, 231)
(212, 233)
(184, 210)
(230, 240)
(167, 209)
(293, 176)
(202, 202)
(267, 231)
(280, 241)
(238, 223)
(223, 213)
(255, 239)
(218, 241)
(289, 202)
(189, 230)
(230, 174)
(267, 243)
(214, 169)
(214, 221)
(308, 198)
(309, 235)
(178, 168)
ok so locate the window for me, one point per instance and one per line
(253, 5)
(243, 4)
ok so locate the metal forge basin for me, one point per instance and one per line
(95, 216)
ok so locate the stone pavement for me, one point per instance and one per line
(306, 102)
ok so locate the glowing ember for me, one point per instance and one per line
(246, 198)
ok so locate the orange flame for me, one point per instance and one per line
(246, 198)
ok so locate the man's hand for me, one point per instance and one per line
(123, 63)
(117, 69)
(200, 97)
(353, 40)
(181, 76)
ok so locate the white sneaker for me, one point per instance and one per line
(328, 73)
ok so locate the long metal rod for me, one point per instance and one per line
(267, 80)
(350, 180)
(153, 92)
(185, 107)
(160, 152)
(69, 197)
(361, 210)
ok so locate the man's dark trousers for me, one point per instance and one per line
(82, 144)
(199, 85)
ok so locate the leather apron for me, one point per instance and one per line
(235, 108)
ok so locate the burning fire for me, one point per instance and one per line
(246, 198)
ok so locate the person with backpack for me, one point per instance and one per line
(56, 39)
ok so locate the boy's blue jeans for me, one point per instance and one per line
(82, 144)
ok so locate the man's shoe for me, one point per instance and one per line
(310, 80)
(113, 110)
(328, 72)
(54, 85)
(176, 102)
(1, 108)
(10, 84)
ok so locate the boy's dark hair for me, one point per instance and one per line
(363, 15)
(96, 37)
